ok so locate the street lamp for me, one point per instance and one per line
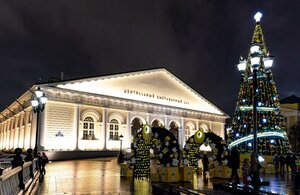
(242, 65)
(121, 155)
(255, 60)
(268, 62)
(38, 104)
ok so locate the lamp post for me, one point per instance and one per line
(121, 156)
(255, 61)
(38, 104)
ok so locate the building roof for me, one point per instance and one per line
(158, 86)
(290, 100)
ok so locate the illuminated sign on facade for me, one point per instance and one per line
(160, 97)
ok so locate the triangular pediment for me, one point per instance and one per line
(157, 86)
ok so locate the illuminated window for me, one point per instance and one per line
(156, 123)
(88, 128)
(114, 130)
(136, 126)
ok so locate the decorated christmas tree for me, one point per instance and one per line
(258, 103)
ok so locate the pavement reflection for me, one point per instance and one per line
(102, 176)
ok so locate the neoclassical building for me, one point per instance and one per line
(91, 113)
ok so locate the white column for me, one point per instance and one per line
(104, 127)
(21, 131)
(77, 126)
(4, 134)
(16, 132)
(11, 137)
(222, 133)
(147, 119)
(129, 137)
(27, 130)
(1, 136)
(9, 127)
(166, 122)
(197, 126)
(182, 133)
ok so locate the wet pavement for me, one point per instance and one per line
(102, 176)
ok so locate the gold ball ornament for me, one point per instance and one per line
(199, 136)
(147, 132)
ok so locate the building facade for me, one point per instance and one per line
(91, 113)
(290, 107)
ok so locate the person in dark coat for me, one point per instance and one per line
(17, 160)
(288, 160)
(282, 163)
(40, 162)
(205, 163)
(234, 164)
(29, 156)
(276, 162)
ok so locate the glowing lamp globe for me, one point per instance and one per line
(34, 103)
(242, 65)
(38, 93)
(255, 60)
(254, 48)
(268, 62)
(44, 99)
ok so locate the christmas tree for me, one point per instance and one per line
(257, 87)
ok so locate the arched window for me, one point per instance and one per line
(136, 125)
(88, 128)
(114, 130)
(174, 129)
(156, 123)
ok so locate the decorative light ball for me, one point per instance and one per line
(199, 136)
(147, 132)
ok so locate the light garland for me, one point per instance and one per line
(259, 135)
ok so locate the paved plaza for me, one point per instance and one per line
(102, 176)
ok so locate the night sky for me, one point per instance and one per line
(200, 41)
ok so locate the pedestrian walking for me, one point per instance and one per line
(276, 163)
(288, 160)
(205, 163)
(293, 164)
(44, 161)
(254, 169)
(234, 164)
(40, 162)
(282, 163)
